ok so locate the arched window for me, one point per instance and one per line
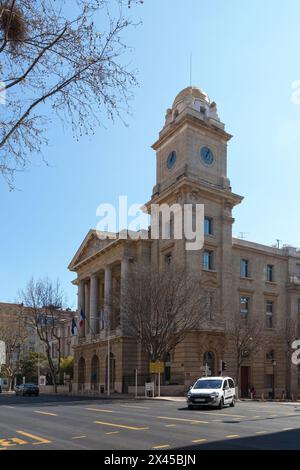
(112, 372)
(95, 372)
(209, 362)
(81, 373)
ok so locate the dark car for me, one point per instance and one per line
(27, 389)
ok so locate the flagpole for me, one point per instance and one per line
(108, 356)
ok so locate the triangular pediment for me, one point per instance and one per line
(91, 245)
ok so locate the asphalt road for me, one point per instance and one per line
(48, 422)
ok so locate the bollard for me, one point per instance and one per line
(262, 397)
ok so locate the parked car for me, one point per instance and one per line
(27, 389)
(212, 391)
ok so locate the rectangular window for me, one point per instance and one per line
(208, 226)
(244, 268)
(208, 259)
(244, 306)
(298, 271)
(168, 258)
(270, 273)
(270, 355)
(269, 313)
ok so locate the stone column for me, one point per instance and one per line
(94, 304)
(80, 300)
(124, 278)
(107, 292)
(87, 307)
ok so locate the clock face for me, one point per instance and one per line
(171, 159)
(206, 156)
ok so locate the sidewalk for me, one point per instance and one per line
(183, 399)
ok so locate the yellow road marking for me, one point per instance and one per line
(194, 421)
(170, 425)
(164, 446)
(199, 440)
(6, 443)
(135, 406)
(78, 437)
(220, 414)
(261, 432)
(40, 440)
(100, 410)
(12, 441)
(45, 413)
(232, 435)
(112, 432)
(123, 426)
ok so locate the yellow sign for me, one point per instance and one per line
(156, 367)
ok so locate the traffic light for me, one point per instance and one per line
(224, 365)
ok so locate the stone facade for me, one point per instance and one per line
(15, 316)
(195, 173)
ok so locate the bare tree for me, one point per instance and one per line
(13, 332)
(43, 300)
(245, 335)
(160, 307)
(57, 58)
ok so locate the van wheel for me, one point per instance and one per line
(221, 404)
(232, 404)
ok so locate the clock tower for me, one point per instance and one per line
(191, 168)
(193, 142)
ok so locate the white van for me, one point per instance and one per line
(212, 391)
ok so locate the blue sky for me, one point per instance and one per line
(246, 55)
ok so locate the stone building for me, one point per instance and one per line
(15, 316)
(191, 167)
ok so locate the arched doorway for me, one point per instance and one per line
(95, 372)
(209, 363)
(81, 374)
(167, 369)
(112, 372)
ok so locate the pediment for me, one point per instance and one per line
(91, 245)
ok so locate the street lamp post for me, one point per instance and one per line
(274, 365)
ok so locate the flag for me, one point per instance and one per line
(82, 318)
(73, 326)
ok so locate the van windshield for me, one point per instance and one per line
(208, 384)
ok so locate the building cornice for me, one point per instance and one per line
(194, 122)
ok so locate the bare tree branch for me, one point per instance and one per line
(160, 308)
(62, 64)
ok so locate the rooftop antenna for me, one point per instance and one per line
(191, 68)
(243, 235)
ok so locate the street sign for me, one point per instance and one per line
(149, 389)
(157, 367)
(42, 380)
(2, 353)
